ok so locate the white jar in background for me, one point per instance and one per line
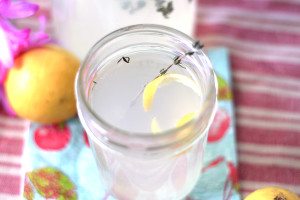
(78, 24)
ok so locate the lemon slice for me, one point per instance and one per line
(183, 120)
(151, 88)
(155, 126)
(186, 118)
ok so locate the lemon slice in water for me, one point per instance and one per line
(155, 128)
(186, 118)
(151, 88)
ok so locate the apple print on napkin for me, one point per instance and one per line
(52, 137)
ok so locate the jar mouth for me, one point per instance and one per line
(115, 135)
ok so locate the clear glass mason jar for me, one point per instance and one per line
(78, 24)
(137, 165)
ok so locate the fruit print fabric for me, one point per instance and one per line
(69, 155)
(220, 126)
(64, 149)
(52, 137)
(220, 180)
(52, 183)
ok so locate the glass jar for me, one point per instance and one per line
(78, 24)
(136, 165)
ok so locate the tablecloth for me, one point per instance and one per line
(263, 37)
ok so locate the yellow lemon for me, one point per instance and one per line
(272, 193)
(151, 88)
(40, 86)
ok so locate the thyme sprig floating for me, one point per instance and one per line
(176, 62)
(125, 59)
(94, 84)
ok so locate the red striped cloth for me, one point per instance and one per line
(12, 132)
(264, 40)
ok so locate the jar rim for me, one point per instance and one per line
(118, 132)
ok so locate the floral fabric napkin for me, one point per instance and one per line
(60, 165)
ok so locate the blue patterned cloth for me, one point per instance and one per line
(60, 164)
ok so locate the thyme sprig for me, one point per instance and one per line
(94, 83)
(198, 45)
(176, 62)
(125, 59)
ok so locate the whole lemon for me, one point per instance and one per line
(272, 193)
(40, 86)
